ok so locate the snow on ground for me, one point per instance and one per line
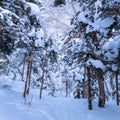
(14, 107)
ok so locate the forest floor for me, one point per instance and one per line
(14, 107)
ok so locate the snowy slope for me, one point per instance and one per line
(13, 107)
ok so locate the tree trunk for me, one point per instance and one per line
(117, 90)
(66, 88)
(89, 90)
(41, 88)
(101, 101)
(23, 70)
(28, 79)
(83, 82)
(29, 76)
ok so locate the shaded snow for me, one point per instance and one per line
(98, 4)
(105, 23)
(96, 63)
(81, 17)
(112, 47)
(49, 108)
(35, 10)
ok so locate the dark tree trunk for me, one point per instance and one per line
(89, 90)
(23, 70)
(83, 82)
(41, 88)
(117, 90)
(101, 101)
(28, 79)
(66, 88)
(78, 94)
(29, 76)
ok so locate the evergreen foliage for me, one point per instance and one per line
(59, 2)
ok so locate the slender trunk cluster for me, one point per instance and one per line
(28, 79)
(45, 63)
(101, 87)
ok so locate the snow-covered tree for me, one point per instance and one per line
(20, 23)
(93, 26)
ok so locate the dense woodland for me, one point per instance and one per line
(82, 63)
